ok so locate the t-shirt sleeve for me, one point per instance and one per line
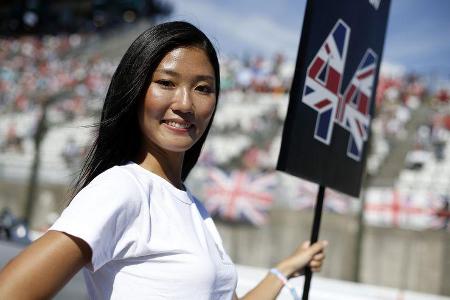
(101, 214)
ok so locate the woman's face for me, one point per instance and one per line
(180, 100)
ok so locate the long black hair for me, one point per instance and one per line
(118, 138)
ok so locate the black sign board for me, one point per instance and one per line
(332, 98)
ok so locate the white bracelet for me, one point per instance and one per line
(285, 282)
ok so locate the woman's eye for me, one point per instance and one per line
(204, 89)
(165, 83)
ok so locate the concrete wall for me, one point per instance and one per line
(407, 259)
(396, 258)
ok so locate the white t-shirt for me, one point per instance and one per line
(149, 240)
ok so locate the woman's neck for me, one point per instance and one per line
(167, 165)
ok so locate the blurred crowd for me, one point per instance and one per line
(35, 70)
(256, 74)
(431, 138)
(396, 99)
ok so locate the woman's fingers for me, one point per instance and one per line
(304, 245)
(316, 248)
(305, 255)
(317, 256)
(320, 256)
(315, 264)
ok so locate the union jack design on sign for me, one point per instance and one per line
(239, 196)
(322, 91)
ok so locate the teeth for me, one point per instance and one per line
(178, 125)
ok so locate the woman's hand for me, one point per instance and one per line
(294, 265)
(305, 255)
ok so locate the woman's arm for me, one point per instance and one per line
(44, 267)
(304, 255)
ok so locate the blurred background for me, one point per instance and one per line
(56, 61)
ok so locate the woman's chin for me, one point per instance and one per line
(179, 148)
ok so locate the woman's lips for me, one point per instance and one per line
(183, 125)
(178, 125)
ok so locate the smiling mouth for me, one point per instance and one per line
(179, 125)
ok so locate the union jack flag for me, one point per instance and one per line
(322, 91)
(323, 81)
(239, 196)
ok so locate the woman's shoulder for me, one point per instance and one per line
(114, 176)
(114, 183)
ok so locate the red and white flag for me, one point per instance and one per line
(405, 209)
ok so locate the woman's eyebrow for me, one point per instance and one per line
(205, 77)
(167, 72)
(176, 74)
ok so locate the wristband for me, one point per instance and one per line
(285, 282)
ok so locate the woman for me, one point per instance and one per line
(133, 226)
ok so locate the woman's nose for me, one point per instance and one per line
(183, 101)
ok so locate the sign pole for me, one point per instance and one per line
(314, 237)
